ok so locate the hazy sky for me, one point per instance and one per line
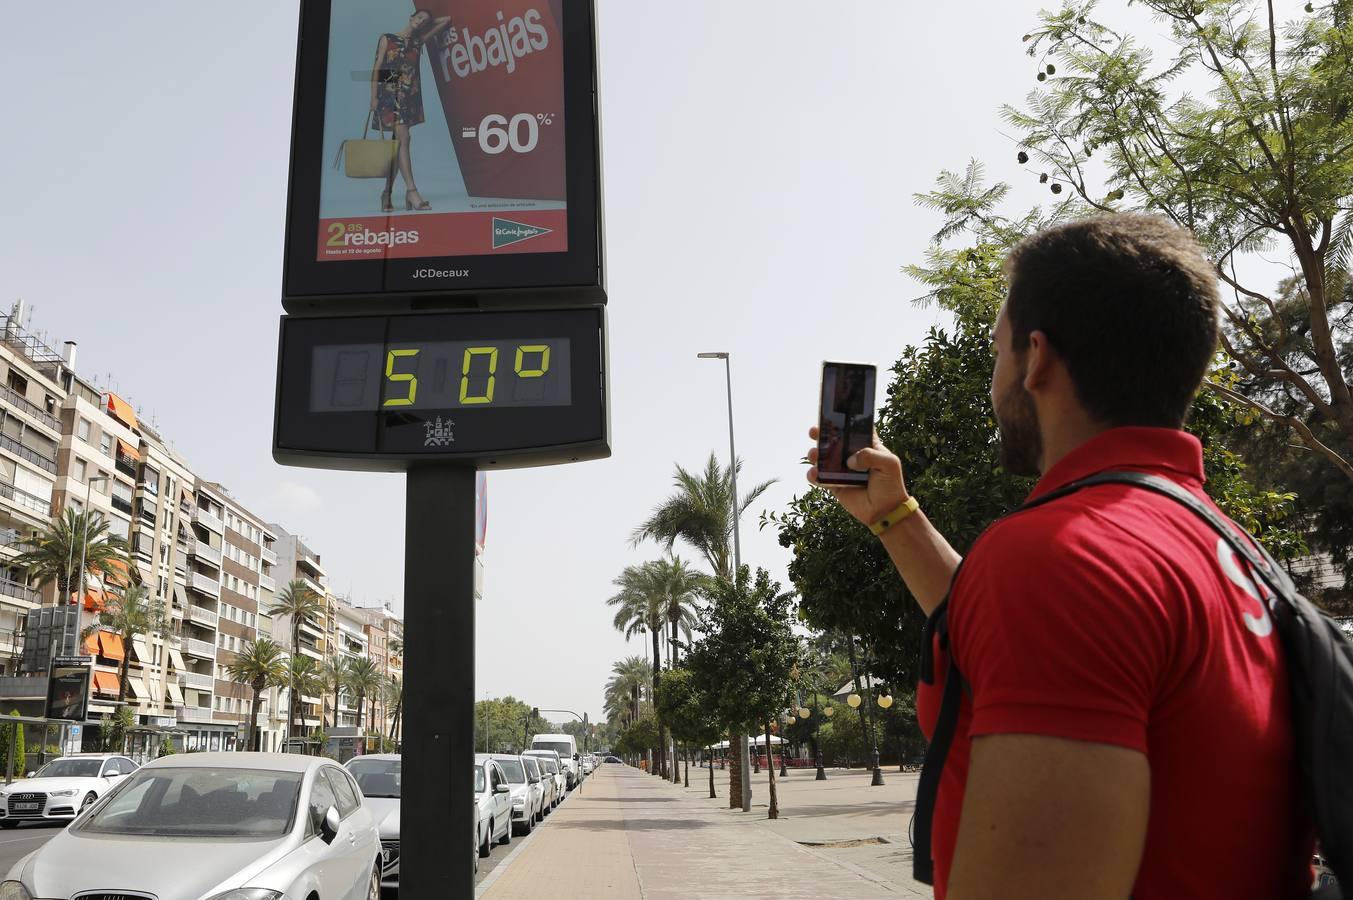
(760, 162)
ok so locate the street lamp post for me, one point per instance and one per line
(744, 753)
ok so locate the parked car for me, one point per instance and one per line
(613, 760)
(525, 795)
(379, 777)
(548, 789)
(567, 748)
(589, 763)
(493, 797)
(62, 789)
(550, 760)
(215, 825)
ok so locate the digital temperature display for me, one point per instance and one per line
(501, 388)
(441, 375)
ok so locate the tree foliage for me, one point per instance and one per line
(506, 724)
(686, 711)
(1263, 160)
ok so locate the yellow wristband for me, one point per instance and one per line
(906, 509)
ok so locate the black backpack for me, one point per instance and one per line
(1320, 668)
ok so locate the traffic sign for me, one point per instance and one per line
(498, 193)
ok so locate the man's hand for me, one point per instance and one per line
(885, 491)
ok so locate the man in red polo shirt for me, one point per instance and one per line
(1127, 732)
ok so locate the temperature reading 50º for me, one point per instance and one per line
(521, 134)
(478, 372)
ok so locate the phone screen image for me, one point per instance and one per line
(846, 420)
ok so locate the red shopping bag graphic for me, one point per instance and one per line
(499, 70)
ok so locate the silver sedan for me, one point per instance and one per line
(215, 826)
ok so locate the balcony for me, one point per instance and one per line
(197, 682)
(203, 616)
(314, 586)
(206, 585)
(27, 454)
(269, 556)
(195, 714)
(207, 520)
(121, 504)
(126, 465)
(14, 399)
(30, 502)
(200, 649)
(267, 583)
(206, 553)
(18, 591)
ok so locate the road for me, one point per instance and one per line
(17, 843)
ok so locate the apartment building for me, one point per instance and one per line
(31, 398)
(350, 643)
(297, 562)
(385, 643)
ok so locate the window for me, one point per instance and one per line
(82, 430)
(342, 788)
(106, 444)
(17, 383)
(321, 798)
(81, 469)
(151, 480)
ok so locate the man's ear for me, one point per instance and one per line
(1039, 359)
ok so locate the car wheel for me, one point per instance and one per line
(373, 890)
(9, 824)
(476, 852)
(484, 847)
(88, 801)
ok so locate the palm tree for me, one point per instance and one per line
(305, 678)
(129, 613)
(302, 605)
(700, 513)
(54, 554)
(335, 675)
(364, 679)
(642, 609)
(624, 690)
(394, 695)
(680, 588)
(261, 665)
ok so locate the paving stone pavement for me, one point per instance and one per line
(630, 835)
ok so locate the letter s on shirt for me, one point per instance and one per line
(1261, 624)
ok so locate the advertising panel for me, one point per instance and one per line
(68, 694)
(436, 138)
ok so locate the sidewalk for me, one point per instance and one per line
(630, 835)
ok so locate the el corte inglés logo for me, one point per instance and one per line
(506, 232)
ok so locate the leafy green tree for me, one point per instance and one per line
(1261, 160)
(639, 737)
(688, 713)
(505, 724)
(303, 606)
(742, 662)
(53, 556)
(20, 749)
(129, 612)
(166, 747)
(115, 728)
(261, 665)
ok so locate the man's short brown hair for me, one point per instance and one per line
(1130, 303)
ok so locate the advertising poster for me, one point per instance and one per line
(443, 130)
(68, 695)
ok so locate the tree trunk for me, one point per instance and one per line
(688, 765)
(394, 718)
(770, 767)
(253, 718)
(122, 673)
(734, 772)
(710, 760)
(661, 762)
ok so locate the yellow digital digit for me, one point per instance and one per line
(543, 350)
(470, 354)
(392, 375)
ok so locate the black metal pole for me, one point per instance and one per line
(439, 676)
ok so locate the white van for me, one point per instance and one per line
(567, 748)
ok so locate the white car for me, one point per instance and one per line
(214, 826)
(535, 768)
(526, 794)
(379, 776)
(550, 760)
(493, 797)
(567, 747)
(62, 789)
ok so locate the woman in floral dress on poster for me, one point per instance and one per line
(397, 97)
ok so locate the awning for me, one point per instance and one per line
(175, 695)
(105, 682)
(94, 600)
(176, 658)
(136, 686)
(180, 595)
(92, 645)
(112, 645)
(128, 450)
(121, 410)
(141, 650)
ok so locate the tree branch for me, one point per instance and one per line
(1307, 436)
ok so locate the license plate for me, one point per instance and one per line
(28, 806)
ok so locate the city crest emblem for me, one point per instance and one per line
(439, 433)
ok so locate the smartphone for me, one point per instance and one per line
(846, 421)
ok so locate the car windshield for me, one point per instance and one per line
(564, 751)
(532, 769)
(551, 764)
(480, 786)
(515, 773)
(201, 802)
(377, 777)
(71, 768)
